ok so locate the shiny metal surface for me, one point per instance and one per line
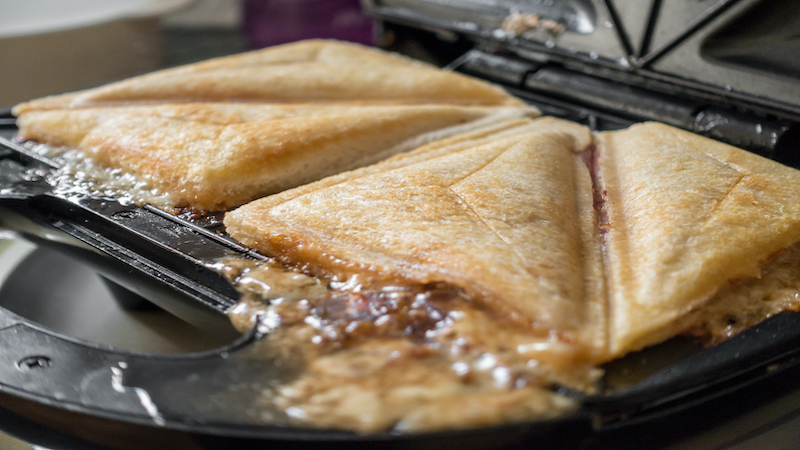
(659, 41)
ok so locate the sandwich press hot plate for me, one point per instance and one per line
(724, 68)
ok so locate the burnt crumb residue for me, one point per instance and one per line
(517, 24)
(411, 312)
(205, 219)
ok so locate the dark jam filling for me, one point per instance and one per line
(590, 158)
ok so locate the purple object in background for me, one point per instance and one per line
(272, 22)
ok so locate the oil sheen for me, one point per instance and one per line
(385, 355)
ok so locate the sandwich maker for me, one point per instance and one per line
(726, 69)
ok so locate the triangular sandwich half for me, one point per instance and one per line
(509, 219)
(219, 155)
(302, 72)
(687, 217)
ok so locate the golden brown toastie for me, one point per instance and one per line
(475, 277)
(678, 222)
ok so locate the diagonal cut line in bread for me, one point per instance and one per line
(302, 72)
(219, 155)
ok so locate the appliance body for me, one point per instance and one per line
(723, 68)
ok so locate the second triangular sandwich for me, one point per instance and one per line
(686, 217)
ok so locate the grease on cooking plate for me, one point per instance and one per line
(388, 355)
